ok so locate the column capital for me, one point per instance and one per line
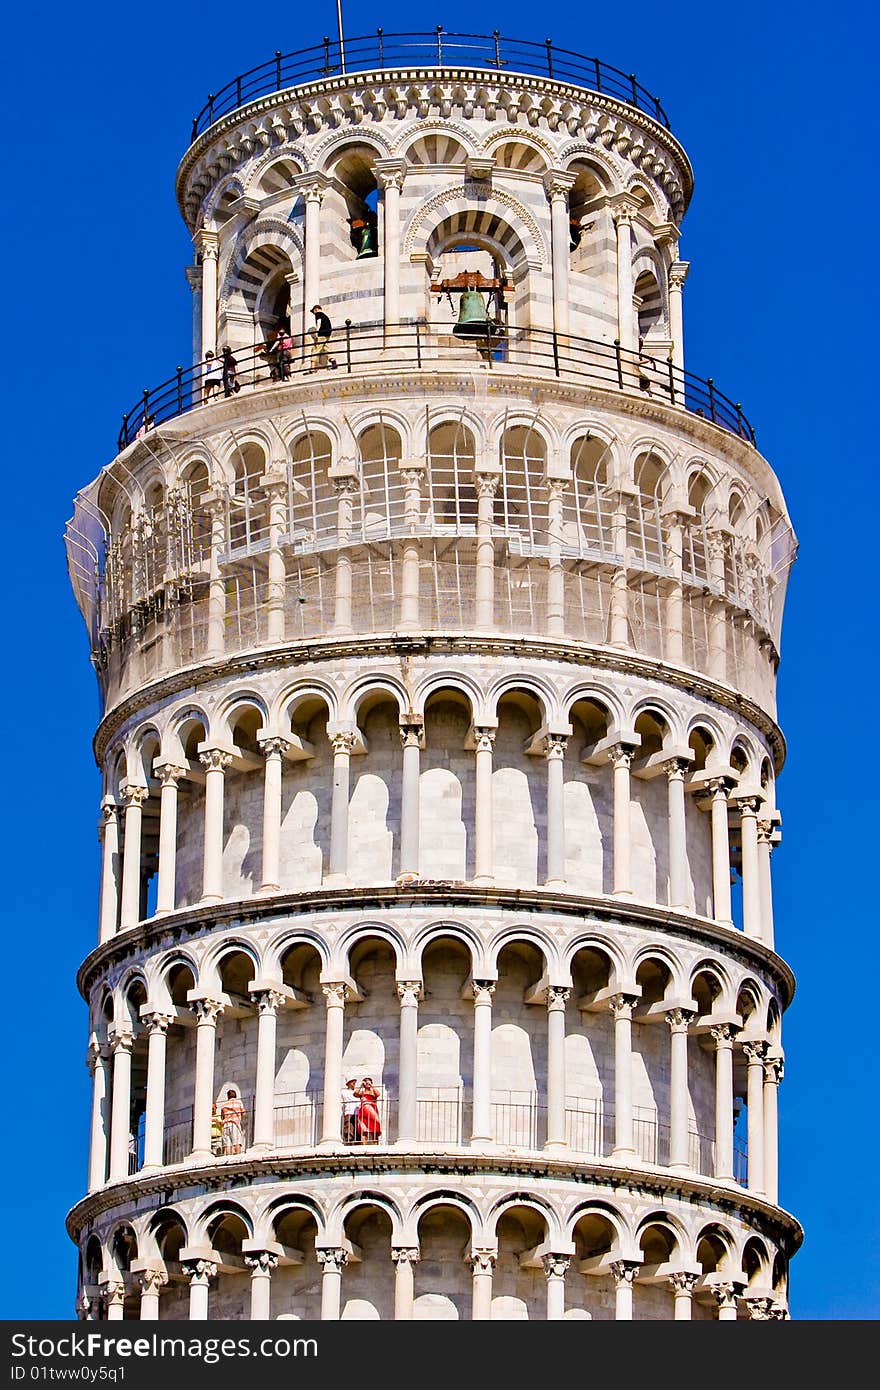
(680, 1020)
(557, 997)
(555, 1266)
(261, 1262)
(624, 1271)
(207, 1011)
(555, 746)
(121, 1039)
(151, 1280)
(622, 754)
(720, 786)
(346, 484)
(774, 1070)
(624, 209)
(725, 1293)
(750, 804)
(207, 243)
(112, 1288)
(483, 991)
(558, 183)
(622, 1005)
(95, 1053)
(676, 768)
(678, 273)
(269, 747)
(199, 1271)
(487, 484)
(312, 186)
(332, 1258)
(268, 1001)
(409, 992)
(335, 994)
(557, 488)
(755, 1050)
(169, 774)
(214, 759)
(412, 735)
(157, 1022)
(405, 1254)
(683, 1280)
(760, 1307)
(109, 810)
(133, 795)
(484, 738)
(724, 1034)
(412, 476)
(482, 1261)
(390, 173)
(344, 741)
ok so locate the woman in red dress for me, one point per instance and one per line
(369, 1126)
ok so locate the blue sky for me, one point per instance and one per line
(774, 106)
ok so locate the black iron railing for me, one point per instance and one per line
(439, 49)
(371, 349)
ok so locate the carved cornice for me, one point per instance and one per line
(170, 1185)
(197, 921)
(595, 116)
(389, 644)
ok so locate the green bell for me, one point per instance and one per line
(366, 233)
(473, 320)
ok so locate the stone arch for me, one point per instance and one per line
(653, 952)
(540, 689)
(278, 947)
(266, 1220)
(451, 212)
(607, 1213)
(293, 697)
(458, 931)
(252, 285)
(441, 1198)
(456, 681)
(519, 153)
(430, 145)
(367, 686)
(217, 1210)
(211, 969)
(709, 978)
(534, 1201)
(364, 1197)
(510, 935)
(357, 932)
(274, 173)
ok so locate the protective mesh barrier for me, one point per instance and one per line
(340, 544)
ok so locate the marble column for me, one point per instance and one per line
(261, 1263)
(751, 885)
(346, 489)
(719, 788)
(679, 1021)
(275, 489)
(623, 1272)
(621, 757)
(209, 244)
(157, 1025)
(773, 1073)
(390, 174)
(404, 1258)
(151, 1282)
(725, 1300)
(268, 1002)
(99, 1065)
(555, 1268)
(215, 762)
(487, 485)
(627, 325)
(484, 742)
(343, 743)
(682, 1283)
(765, 850)
(677, 276)
(556, 490)
(109, 909)
(411, 566)
(755, 1053)
(134, 798)
(333, 1046)
(723, 1036)
(332, 1262)
(410, 738)
(557, 184)
(114, 1292)
(313, 190)
(121, 1043)
(273, 749)
(207, 1011)
(169, 775)
(622, 1006)
(215, 506)
(482, 1098)
(200, 1273)
(679, 869)
(407, 1109)
(482, 1263)
(555, 746)
(556, 1001)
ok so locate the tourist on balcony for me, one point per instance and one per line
(279, 352)
(232, 1115)
(350, 1107)
(230, 381)
(213, 375)
(369, 1126)
(320, 340)
(216, 1131)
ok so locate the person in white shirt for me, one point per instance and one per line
(350, 1107)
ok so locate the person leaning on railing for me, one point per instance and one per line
(320, 340)
(213, 375)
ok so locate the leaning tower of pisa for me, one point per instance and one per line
(439, 745)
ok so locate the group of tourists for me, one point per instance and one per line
(221, 373)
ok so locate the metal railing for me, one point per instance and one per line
(295, 1116)
(438, 49)
(373, 348)
(178, 1140)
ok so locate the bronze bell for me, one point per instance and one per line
(365, 231)
(473, 320)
